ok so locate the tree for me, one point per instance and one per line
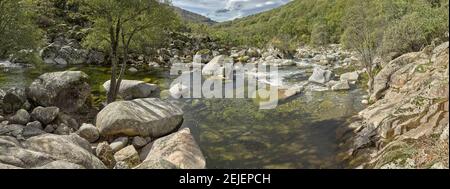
(17, 30)
(363, 35)
(121, 26)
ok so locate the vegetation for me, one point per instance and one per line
(17, 30)
(319, 22)
(123, 26)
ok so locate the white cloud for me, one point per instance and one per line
(215, 9)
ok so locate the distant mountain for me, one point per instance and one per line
(193, 17)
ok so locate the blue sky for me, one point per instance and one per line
(224, 10)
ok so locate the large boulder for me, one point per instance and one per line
(132, 89)
(141, 117)
(180, 149)
(320, 76)
(216, 67)
(66, 90)
(42, 150)
(13, 99)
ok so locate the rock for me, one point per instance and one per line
(142, 117)
(128, 155)
(216, 67)
(58, 53)
(180, 149)
(2, 118)
(133, 70)
(21, 117)
(132, 89)
(320, 76)
(13, 100)
(121, 165)
(11, 129)
(45, 115)
(106, 154)
(43, 150)
(139, 142)
(67, 120)
(439, 165)
(95, 57)
(365, 102)
(32, 131)
(50, 128)
(62, 129)
(444, 135)
(178, 90)
(66, 90)
(119, 143)
(279, 62)
(341, 85)
(203, 56)
(351, 76)
(156, 164)
(60, 164)
(89, 132)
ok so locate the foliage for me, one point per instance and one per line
(17, 30)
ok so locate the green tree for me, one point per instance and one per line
(17, 29)
(123, 26)
(363, 35)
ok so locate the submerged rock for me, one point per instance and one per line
(66, 90)
(142, 117)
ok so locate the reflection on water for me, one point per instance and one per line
(235, 133)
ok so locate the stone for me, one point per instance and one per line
(141, 117)
(106, 154)
(89, 132)
(45, 115)
(180, 149)
(42, 151)
(133, 70)
(2, 118)
(341, 85)
(32, 131)
(11, 129)
(139, 142)
(156, 164)
(13, 99)
(128, 155)
(21, 117)
(67, 120)
(365, 102)
(119, 143)
(179, 90)
(50, 128)
(350, 76)
(66, 90)
(320, 76)
(132, 89)
(216, 67)
(444, 135)
(62, 129)
(60, 164)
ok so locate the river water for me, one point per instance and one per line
(303, 132)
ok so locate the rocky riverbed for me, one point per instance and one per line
(57, 120)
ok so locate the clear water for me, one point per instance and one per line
(302, 132)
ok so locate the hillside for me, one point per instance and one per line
(323, 21)
(193, 17)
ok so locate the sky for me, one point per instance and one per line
(225, 10)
